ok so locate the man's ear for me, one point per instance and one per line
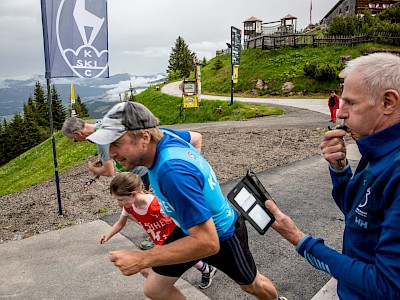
(78, 132)
(391, 101)
(146, 135)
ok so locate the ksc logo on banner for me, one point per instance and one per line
(77, 37)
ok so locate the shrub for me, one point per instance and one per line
(174, 75)
(326, 73)
(217, 64)
(310, 69)
(320, 72)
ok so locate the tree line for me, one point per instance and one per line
(25, 131)
(387, 21)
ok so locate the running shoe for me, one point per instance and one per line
(206, 278)
(146, 244)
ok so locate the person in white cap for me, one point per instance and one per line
(77, 130)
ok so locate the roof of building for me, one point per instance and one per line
(333, 8)
(289, 17)
(341, 1)
(252, 19)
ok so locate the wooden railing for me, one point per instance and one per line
(343, 40)
(269, 42)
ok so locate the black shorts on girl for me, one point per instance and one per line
(234, 257)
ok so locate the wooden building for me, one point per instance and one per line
(288, 24)
(357, 7)
(252, 28)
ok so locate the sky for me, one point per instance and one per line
(141, 33)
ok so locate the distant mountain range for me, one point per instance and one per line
(99, 94)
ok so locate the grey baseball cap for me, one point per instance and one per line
(122, 117)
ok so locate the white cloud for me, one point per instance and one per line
(66, 80)
(206, 49)
(139, 83)
(151, 52)
(141, 33)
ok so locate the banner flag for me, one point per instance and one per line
(235, 73)
(72, 101)
(75, 36)
(310, 11)
(72, 93)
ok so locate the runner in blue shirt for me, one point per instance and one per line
(189, 192)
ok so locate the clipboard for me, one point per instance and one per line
(248, 197)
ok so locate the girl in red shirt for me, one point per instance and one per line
(142, 207)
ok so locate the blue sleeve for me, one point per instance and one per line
(340, 180)
(103, 152)
(183, 134)
(185, 183)
(378, 280)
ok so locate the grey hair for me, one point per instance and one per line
(71, 125)
(379, 72)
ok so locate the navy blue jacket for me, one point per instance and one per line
(369, 267)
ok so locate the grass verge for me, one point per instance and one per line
(37, 164)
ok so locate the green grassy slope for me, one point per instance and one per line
(167, 109)
(36, 165)
(276, 67)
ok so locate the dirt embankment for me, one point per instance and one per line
(230, 151)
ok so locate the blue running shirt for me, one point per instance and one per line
(187, 188)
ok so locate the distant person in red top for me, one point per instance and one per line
(333, 103)
(142, 207)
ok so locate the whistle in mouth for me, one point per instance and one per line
(343, 127)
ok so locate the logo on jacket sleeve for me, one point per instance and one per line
(361, 212)
(196, 158)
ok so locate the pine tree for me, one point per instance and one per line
(15, 134)
(204, 62)
(81, 108)
(181, 58)
(3, 142)
(33, 131)
(58, 109)
(5, 124)
(41, 111)
(29, 109)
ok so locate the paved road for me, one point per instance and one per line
(70, 264)
(318, 105)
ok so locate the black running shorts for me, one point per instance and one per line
(234, 257)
